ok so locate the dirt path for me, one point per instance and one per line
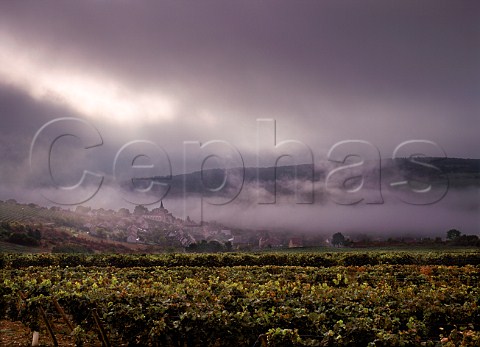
(14, 334)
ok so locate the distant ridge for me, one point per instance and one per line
(461, 172)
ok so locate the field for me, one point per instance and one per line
(381, 298)
(12, 212)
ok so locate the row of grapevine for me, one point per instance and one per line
(11, 213)
(371, 305)
(18, 213)
(245, 259)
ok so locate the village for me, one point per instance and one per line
(84, 229)
(160, 227)
(154, 230)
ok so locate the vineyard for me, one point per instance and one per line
(24, 213)
(328, 299)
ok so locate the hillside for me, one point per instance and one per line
(461, 173)
(32, 228)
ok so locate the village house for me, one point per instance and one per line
(269, 241)
(295, 242)
(132, 234)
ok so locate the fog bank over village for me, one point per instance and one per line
(304, 119)
(270, 208)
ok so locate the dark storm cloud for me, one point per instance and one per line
(345, 69)
(175, 71)
(366, 43)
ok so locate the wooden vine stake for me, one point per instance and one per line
(49, 326)
(62, 313)
(36, 334)
(35, 339)
(103, 334)
(263, 340)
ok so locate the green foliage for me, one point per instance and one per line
(174, 300)
(338, 239)
(206, 247)
(140, 210)
(458, 258)
(283, 337)
(35, 234)
(124, 212)
(20, 238)
(72, 248)
(452, 234)
(467, 240)
(82, 209)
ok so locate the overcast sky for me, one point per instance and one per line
(173, 71)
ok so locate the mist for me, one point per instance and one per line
(459, 209)
(272, 77)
